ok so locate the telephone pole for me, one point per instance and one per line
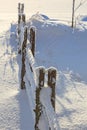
(73, 13)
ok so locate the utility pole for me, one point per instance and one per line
(73, 13)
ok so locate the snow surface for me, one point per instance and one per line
(84, 18)
(65, 48)
(15, 112)
(57, 45)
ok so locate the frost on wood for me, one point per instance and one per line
(37, 69)
(33, 28)
(38, 109)
(23, 70)
(52, 72)
(45, 97)
(32, 40)
(48, 109)
(30, 79)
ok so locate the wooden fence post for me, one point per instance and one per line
(38, 109)
(23, 70)
(19, 29)
(19, 5)
(19, 17)
(19, 21)
(23, 19)
(22, 8)
(32, 40)
(52, 72)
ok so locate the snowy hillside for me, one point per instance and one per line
(65, 48)
(57, 45)
(61, 46)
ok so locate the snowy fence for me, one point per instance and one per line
(39, 82)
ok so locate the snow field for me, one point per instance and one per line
(14, 107)
(57, 45)
(65, 48)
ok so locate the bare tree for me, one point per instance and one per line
(75, 9)
(80, 4)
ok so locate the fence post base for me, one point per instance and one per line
(38, 109)
(52, 72)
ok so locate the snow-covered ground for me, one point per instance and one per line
(58, 45)
(15, 113)
(61, 46)
(65, 48)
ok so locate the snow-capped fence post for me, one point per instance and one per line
(32, 40)
(40, 85)
(52, 72)
(23, 70)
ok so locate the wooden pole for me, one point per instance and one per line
(23, 19)
(19, 5)
(32, 40)
(19, 21)
(19, 17)
(73, 13)
(51, 83)
(23, 70)
(38, 110)
(22, 8)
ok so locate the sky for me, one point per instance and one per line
(34, 5)
(49, 7)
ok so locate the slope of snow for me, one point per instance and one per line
(65, 48)
(15, 113)
(71, 103)
(60, 46)
(84, 18)
(57, 45)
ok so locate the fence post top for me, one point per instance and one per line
(33, 28)
(40, 68)
(52, 69)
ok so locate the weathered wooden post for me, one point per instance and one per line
(19, 7)
(23, 70)
(19, 26)
(38, 109)
(52, 72)
(19, 17)
(32, 40)
(23, 19)
(22, 8)
(19, 21)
